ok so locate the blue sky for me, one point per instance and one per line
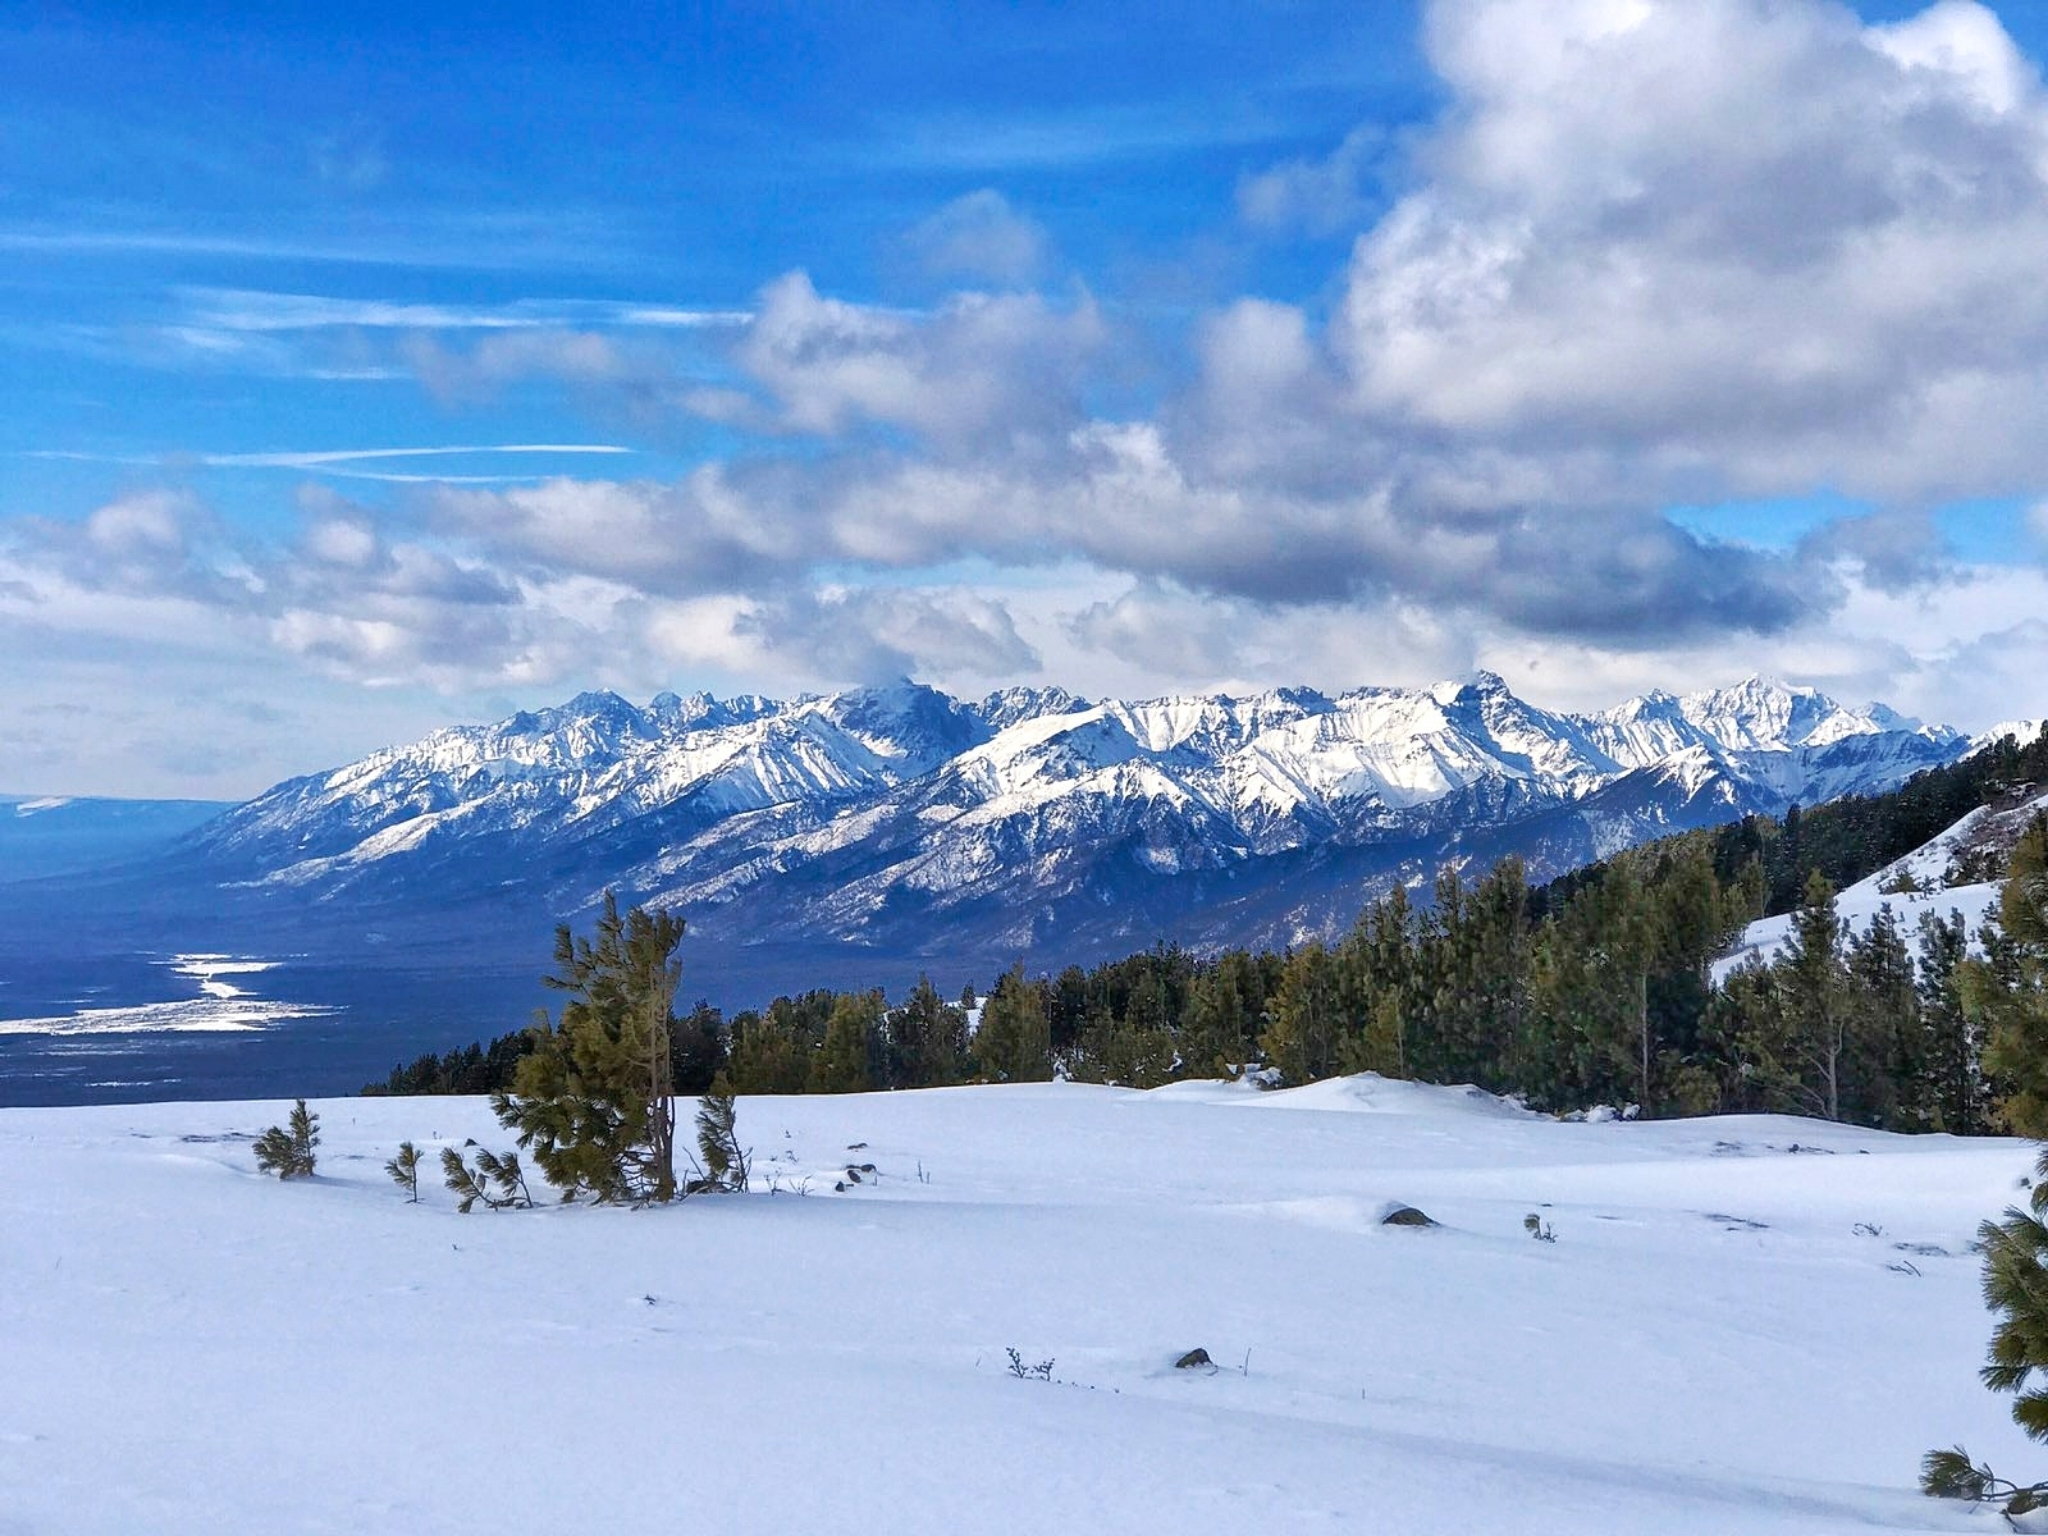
(368, 370)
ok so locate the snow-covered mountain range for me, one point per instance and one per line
(902, 820)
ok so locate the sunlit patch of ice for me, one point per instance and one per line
(202, 966)
(200, 1015)
(207, 969)
(222, 1007)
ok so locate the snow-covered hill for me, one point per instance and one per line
(880, 816)
(1745, 1326)
(1955, 873)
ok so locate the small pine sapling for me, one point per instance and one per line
(506, 1176)
(289, 1153)
(1951, 1474)
(404, 1169)
(1039, 1372)
(718, 1148)
(497, 1183)
(1538, 1228)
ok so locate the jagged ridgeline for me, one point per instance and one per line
(1596, 988)
(900, 823)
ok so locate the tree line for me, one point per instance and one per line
(1597, 988)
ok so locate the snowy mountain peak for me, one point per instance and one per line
(904, 720)
(898, 809)
(1012, 705)
(1470, 688)
(1768, 715)
(678, 712)
(1657, 704)
(2022, 731)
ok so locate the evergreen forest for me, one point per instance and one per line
(1597, 988)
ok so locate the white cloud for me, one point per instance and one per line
(1751, 244)
(260, 310)
(149, 523)
(1321, 196)
(981, 369)
(344, 542)
(980, 237)
(1652, 252)
(502, 357)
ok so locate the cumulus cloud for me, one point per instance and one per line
(1751, 243)
(980, 238)
(1895, 551)
(1650, 252)
(876, 634)
(699, 534)
(979, 371)
(1319, 196)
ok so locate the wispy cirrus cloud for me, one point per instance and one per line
(984, 142)
(435, 238)
(242, 309)
(347, 463)
(458, 350)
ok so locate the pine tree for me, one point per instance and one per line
(1890, 1067)
(718, 1148)
(2007, 990)
(1214, 1038)
(1747, 1016)
(1585, 989)
(1497, 924)
(775, 1052)
(850, 1058)
(1067, 1010)
(1303, 1039)
(928, 1040)
(1811, 979)
(1387, 983)
(1014, 1042)
(697, 1049)
(594, 1101)
(1953, 1094)
(1692, 918)
(289, 1153)
(1626, 939)
(1134, 1054)
(404, 1169)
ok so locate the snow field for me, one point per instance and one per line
(1726, 1336)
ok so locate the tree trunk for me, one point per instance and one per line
(1643, 1031)
(661, 1102)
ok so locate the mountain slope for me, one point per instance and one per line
(54, 835)
(1958, 872)
(901, 820)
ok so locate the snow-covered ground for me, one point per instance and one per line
(1925, 869)
(1744, 1325)
(1857, 905)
